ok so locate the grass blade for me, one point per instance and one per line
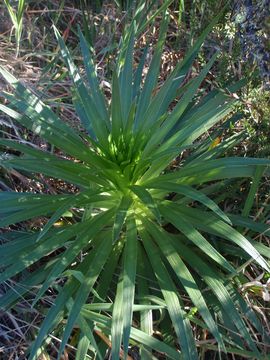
(146, 199)
(120, 216)
(181, 323)
(195, 195)
(252, 191)
(129, 279)
(185, 278)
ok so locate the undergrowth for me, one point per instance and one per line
(103, 210)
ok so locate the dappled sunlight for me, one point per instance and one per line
(121, 192)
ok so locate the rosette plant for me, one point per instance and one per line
(146, 248)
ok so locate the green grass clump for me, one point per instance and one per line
(141, 237)
(16, 17)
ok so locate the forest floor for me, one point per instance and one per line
(37, 65)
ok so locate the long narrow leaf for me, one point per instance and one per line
(181, 324)
(129, 279)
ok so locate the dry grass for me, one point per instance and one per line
(38, 50)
